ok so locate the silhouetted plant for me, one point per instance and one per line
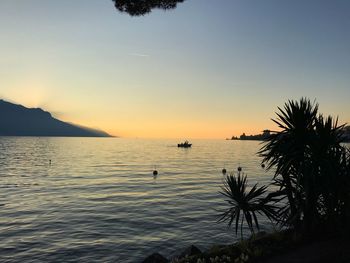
(244, 204)
(312, 167)
(312, 173)
(287, 151)
(142, 7)
(327, 154)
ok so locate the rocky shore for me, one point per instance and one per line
(284, 246)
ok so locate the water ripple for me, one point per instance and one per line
(99, 202)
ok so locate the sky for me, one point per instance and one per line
(207, 69)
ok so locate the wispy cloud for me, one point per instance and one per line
(139, 55)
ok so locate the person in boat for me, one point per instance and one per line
(184, 144)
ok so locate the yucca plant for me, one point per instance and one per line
(307, 156)
(312, 172)
(244, 204)
(288, 152)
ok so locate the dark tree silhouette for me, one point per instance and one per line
(312, 175)
(142, 7)
(312, 168)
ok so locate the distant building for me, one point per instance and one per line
(258, 137)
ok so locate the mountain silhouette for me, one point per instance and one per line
(17, 120)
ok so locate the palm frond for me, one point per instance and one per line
(244, 204)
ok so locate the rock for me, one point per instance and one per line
(190, 251)
(155, 258)
(232, 251)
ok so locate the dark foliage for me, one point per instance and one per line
(244, 204)
(312, 173)
(142, 7)
(311, 167)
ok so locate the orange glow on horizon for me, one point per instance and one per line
(175, 130)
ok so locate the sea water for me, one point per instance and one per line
(96, 199)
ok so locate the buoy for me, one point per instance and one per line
(50, 161)
(224, 171)
(263, 165)
(239, 168)
(155, 172)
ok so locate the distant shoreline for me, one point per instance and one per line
(58, 136)
(266, 133)
(17, 120)
(259, 137)
(238, 139)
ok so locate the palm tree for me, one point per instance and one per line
(288, 152)
(244, 204)
(312, 171)
(308, 157)
(329, 160)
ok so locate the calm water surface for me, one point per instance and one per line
(99, 202)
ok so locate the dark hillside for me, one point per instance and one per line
(17, 120)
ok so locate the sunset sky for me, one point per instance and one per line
(207, 69)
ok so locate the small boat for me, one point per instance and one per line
(185, 144)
